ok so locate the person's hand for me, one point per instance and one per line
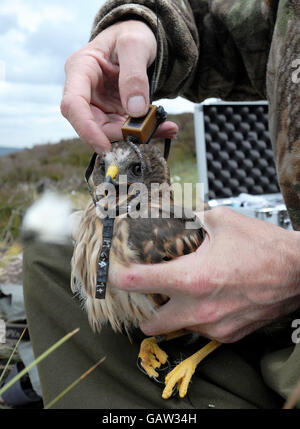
(107, 80)
(244, 275)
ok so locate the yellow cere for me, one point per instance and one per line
(112, 171)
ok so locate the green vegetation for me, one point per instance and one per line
(25, 174)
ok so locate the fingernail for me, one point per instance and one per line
(136, 105)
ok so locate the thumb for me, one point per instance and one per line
(221, 218)
(135, 55)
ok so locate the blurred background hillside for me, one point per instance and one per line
(25, 174)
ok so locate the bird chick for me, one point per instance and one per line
(138, 237)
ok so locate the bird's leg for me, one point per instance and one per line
(181, 375)
(151, 355)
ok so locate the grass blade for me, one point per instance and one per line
(64, 392)
(38, 360)
(293, 398)
(11, 356)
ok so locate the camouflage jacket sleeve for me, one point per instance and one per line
(207, 48)
(283, 88)
(233, 50)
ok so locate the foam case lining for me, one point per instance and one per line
(239, 153)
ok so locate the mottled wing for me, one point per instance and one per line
(162, 239)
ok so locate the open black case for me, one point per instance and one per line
(235, 159)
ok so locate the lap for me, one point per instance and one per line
(229, 378)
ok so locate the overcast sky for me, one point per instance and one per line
(36, 37)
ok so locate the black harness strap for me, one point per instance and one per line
(88, 174)
(103, 262)
(107, 233)
(167, 148)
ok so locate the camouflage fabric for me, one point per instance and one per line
(234, 50)
(283, 88)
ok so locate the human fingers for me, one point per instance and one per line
(166, 130)
(136, 51)
(203, 314)
(169, 277)
(81, 73)
(172, 316)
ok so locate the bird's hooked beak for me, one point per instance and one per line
(110, 177)
(111, 174)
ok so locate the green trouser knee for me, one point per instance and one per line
(228, 378)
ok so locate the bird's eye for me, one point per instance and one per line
(136, 169)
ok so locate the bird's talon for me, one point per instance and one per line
(181, 375)
(179, 379)
(151, 356)
(164, 366)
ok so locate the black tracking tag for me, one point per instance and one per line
(103, 262)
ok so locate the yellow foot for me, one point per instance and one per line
(181, 375)
(152, 356)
